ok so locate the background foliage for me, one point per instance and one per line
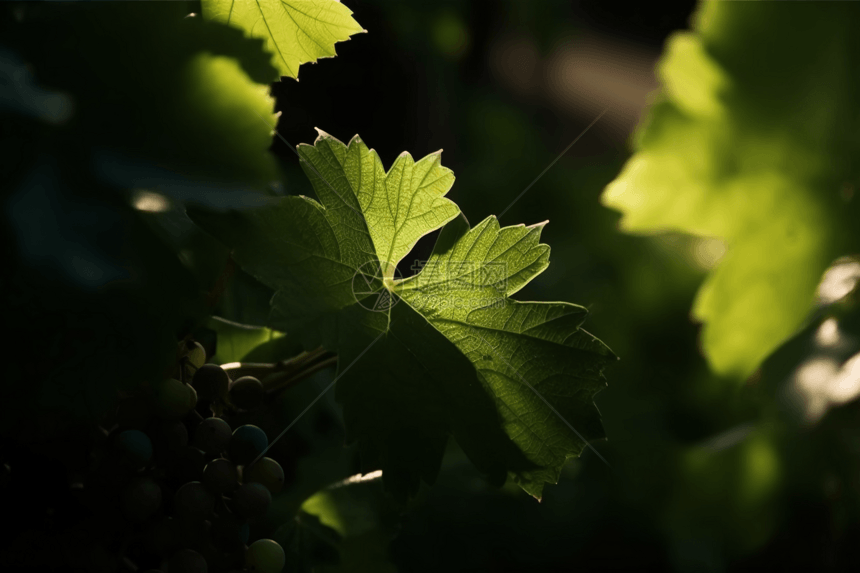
(751, 464)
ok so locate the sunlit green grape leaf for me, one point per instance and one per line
(753, 140)
(294, 31)
(444, 352)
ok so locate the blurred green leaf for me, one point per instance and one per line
(364, 520)
(728, 487)
(164, 100)
(19, 93)
(85, 309)
(753, 140)
(308, 543)
(243, 343)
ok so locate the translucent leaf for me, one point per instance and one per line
(445, 352)
(245, 343)
(753, 140)
(294, 31)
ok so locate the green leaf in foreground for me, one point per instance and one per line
(294, 31)
(445, 352)
(753, 140)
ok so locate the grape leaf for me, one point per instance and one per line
(245, 343)
(753, 139)
(444, 352)
(363, 520)
(294, 31)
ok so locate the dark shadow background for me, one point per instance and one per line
(503, 88)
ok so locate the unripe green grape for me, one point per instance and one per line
(265, 556)
(196, 354)
(220, 476)
(212, 436)
(207, 338)
(247, 443)
(173, 399)
(193, 501)
(134, 448)
(193, 356)
(247, 392)
(251, 500)
(267, 472)
(211, 382)
(187, 561)
(141, 499)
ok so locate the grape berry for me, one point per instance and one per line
(247, 392)
(163, 489)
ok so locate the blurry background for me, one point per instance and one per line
(701, 477)
(703, 474)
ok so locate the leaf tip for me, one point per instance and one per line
(323, 136)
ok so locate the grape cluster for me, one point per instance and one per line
(171, 486)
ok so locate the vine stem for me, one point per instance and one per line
(279, 376)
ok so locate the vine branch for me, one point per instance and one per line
(279, 376)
